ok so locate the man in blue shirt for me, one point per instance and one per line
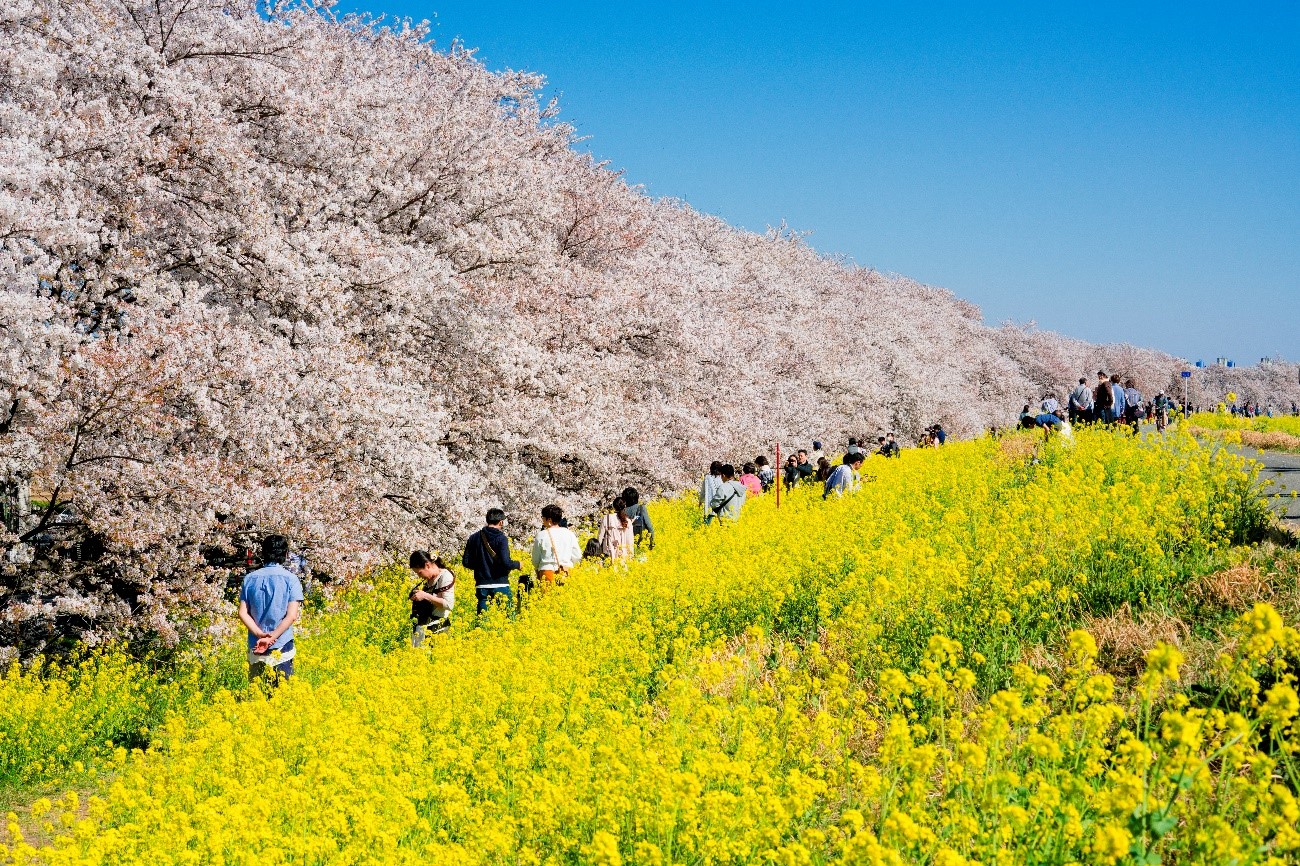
(269, 604)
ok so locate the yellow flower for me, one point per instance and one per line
(1110, 843)
(1280, 704)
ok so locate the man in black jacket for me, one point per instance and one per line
(487, 554)
(1103, 400)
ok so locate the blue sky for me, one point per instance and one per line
(1118, 172)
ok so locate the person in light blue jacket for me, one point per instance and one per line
(845, 477)
(1117, 410)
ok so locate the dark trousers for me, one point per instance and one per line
(484, 596)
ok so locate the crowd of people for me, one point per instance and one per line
(1109, 401)
(1254, 410)
(271, 597)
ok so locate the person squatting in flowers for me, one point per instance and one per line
(270, 601)
(433, 599)
(845, 477)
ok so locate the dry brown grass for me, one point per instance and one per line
(1123, 638)
(1236, 588)
(1272, 441)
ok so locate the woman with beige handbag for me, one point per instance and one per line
(555, 548)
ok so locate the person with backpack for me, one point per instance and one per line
(555, 548)
(487, 554)
(641, 524)
(616, 538)
(708, 486)
(766, 474)
(1080, 403)
(729, 497)
(1132, 405)
(433, 599)
(270, 601)
(845, 477)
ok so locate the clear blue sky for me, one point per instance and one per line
(1118, 172)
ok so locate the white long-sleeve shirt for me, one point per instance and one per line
(554, 548)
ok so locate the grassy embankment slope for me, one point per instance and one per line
(840, 679)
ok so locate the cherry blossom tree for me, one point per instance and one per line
(279, 269)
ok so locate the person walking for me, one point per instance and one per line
(555, 549)
(1162, 406)
(616, 539)
(1080, 402)
(729, 497)
(641, 524)
(1118, 406)
(487, 554)
(270, 602)
(845, 477)
(1103, 400)
(433, 599)
(1132, 406)
(708, 487)
(749, 478)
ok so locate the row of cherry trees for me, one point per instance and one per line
(284, 270)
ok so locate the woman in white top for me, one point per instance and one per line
(616, 538)
(555, 547)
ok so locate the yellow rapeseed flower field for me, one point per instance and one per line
(836, 681)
